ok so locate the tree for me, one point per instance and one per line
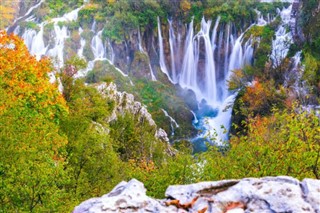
(284, 143)
(7, 13)
(31, 147)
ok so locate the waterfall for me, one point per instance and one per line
(195, 119)
(110, 52)
(161, 52)
(28, 37)
(57, 51)
(248, 53)
(236, 57)
(139, 41)
(187, 76)
(82, 44)
(97, 46)
(207, 65)
(172, 43)
(214, 34)
(172, 121)
(204, 88)
(226, 53)
(283, 39)
(261, 21)
(34, 40)
(38, 47)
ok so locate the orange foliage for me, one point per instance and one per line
(185, 5)
(260, 97)
(255, 95)
(7, 12)
(24, 81)
(144, 164)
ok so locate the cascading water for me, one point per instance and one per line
(161, 54)
(82, 44)
(35, 42)
(206, 67)
(205, 88)
(283, 39)
(172, 42)
(97, 46)
(173, 123)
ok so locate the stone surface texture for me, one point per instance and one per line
(125, 103)
(260, 195)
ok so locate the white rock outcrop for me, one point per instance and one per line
(263, 195)
(125, 103)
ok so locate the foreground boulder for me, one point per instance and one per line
(269, 194)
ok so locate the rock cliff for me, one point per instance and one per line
(268, 194)
(124, 102)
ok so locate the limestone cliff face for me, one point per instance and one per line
(125, 103)
(268, 194)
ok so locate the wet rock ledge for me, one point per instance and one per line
(268, 194)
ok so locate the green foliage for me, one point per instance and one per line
(134, 139)
(310, 20)
(286, 143)
(86, 14)
(51, 160)
(31, 168)
(60, 7)
(263, 51)
(31, 151)
(154, 94)
(312, 72)
(93, 167)
(29, 25)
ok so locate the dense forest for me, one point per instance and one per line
(64, 139)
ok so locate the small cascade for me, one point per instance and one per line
(248, 52)
(110, 52)
(283, 40)
(226, 53)
(261, 21)
(161, 52)
(57, 51)
(172, 43)
(214, 34)
(173, 122)
(216, 128)
(28, 36)
(82, 44)
(38, 47)
(34, 40)
(140, 41)
(236, 57)
(93, 27)
(97, 46)
(195, 119)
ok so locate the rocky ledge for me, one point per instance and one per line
(268, 194)
(124, 102)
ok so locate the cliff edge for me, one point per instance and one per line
(267, 194)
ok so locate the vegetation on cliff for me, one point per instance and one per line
(58, 148)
